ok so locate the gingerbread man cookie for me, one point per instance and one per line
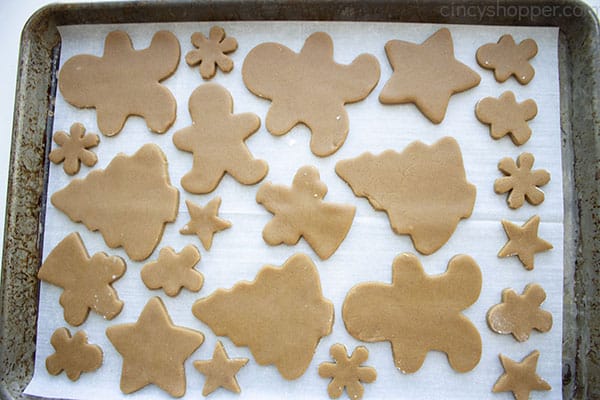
(507, 117)
(281, 316)
(300, 211)
(217, 141)
(424, 190)
(347, 372)
(521, 181)
(211, 52)
(520, 314)
(72, 354)
(86, 282)
(418, 313)
(124, 82)
(426, 74)
(129, 202)
(309, 88)
(73, 149)
(507, 58)
(174, 271)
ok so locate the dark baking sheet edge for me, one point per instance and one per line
(579, 64)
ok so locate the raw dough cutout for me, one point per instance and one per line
(418, 313)
(347, 372)
(423, 190)
(216, 138)
(204, 221)
(129, 202)
(86, 281)
(520, 378)
(521, 181)
(173, 271)
(300, 211)
(507, 58)
(211, 52)
(520, 314)
(523, 241)
(309, 88)
(72, 354)
(507, 117)
(154, 350)
(426, 74)
(220, 371)
(281, 316)
(124, 82)
(73, 148)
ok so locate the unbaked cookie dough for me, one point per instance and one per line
(204, 221)
(73, 149)
(523, 241)
(521, 181)
(281, 316)
(520, 378)
(211, 52)
(347, 372)
(74, 355)
(174, 271)
(220, 371)
(507, 58)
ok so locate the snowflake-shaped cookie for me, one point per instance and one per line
(73, 148)
(507, 58)
(521, 181)
(347, 372)
(211, 52)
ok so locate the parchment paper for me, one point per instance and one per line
(367, 253)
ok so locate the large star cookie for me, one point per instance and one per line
(154, 350)
(426, 74)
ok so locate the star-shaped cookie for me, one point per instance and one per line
(523, 241)
(204, 221)
(154, 350)
(220, 371)
(426, 74)
(520, 377)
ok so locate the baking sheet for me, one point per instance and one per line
(368, 251)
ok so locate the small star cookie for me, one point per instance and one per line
(520, 377)
(211, 52)
(521, 181)
(507, 58)
(426, 74)
(347, 372)
(73, 149)
(174, 271)
(220, 371)
(523, 241)
(204, 221)
(72, 354)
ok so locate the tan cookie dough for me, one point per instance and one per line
(418, 313)
(216, 138)
(300, 211)
(124, 82)
(220, 371)
(426, 74)
(521, 181)
(347, 372)
(523, 241)
(520, 378)
(154, 350)
(507, 117)
(86, 281)
(423, 190)
(520, 314)
(204, 221)
(309, 88)
(72, 354)
(281, 315)
(174, 271)
(507, 58)
(211, 52)
(73, 149)
(129, 202)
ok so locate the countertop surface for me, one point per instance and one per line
(16, 15)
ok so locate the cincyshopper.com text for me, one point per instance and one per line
(520, 12)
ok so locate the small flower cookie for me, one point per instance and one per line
(347, 372)
(73, 148)
(174, 271)
(507, 58)
(507, 117)
(73, 354)
(521, 181)
(211, 52)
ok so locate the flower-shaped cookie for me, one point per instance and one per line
(507, 117)
(173, 271)
(73, 148)
(347, 372)
(72, 354)
(211, 52)
(521, 181)
(507, 58)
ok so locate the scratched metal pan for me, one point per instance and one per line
(579, 64)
